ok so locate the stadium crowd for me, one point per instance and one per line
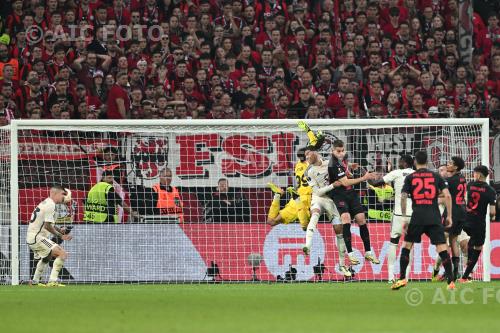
(213, 59)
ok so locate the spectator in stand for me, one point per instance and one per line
(225, 206)
(118, 102)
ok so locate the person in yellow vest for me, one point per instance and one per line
(102, 202)
(168, 200)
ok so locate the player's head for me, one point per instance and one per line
(223, 185)
(421, 158)
(166, 177)
(405, 162)
(338, 149)
(312, 156)
(481, 172)
(107, 177)
(301, 154)
(443, 171)
(57, 193)
(455, 164)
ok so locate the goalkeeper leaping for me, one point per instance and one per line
(295, 209)
(41, 225)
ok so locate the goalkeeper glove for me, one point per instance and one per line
(303, 126)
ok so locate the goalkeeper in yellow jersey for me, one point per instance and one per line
(299, 206)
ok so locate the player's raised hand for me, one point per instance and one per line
(67, 237)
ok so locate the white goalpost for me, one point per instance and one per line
(212, 176)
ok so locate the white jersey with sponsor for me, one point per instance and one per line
(44, 212)
(398, 177)
(317, 176)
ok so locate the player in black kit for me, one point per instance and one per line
(479, 196)
(347, 201)
(457, 186)
(424, 187)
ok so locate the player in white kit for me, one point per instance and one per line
(40, 227)
(405, 168)
(317, 177)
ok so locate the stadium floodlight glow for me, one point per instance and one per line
(214, 224)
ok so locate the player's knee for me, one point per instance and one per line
(345, 218)
(360, 219)
(59, 252)
(395, 240)
(338, 229)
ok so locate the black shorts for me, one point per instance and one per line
(434, 231)
(477, 234)
(348, 203)
(456, 228)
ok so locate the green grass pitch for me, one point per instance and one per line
(312, 308)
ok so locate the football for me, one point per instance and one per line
(67, 197)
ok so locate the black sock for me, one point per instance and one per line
(404, 260)
(365, 236)
(456, 262)
(471, 262)
(346, 232)
(446, 262)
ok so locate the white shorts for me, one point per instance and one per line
(397, 226)
(42, 247)
(325, 205)
(463, 236)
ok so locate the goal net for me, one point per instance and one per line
(198, 196)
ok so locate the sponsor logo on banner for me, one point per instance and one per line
(283, 247)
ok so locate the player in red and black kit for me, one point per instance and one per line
(479, 196)
(424, 187)
(457, 186)
(348, 203)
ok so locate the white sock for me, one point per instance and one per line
(56, 268)
(391, 259)
(40, 268)
(311, 228)
(437, 264)
(341, 249)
